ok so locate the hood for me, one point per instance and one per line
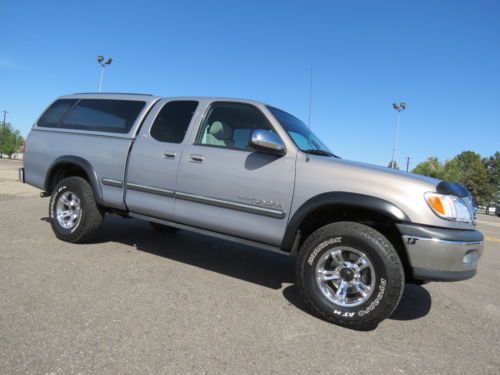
(396, 173)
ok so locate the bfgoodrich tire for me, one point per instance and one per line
(350, 274)
(74, 213)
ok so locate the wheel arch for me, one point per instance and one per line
(331, 207)
(70, 165)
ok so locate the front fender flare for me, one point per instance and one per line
(340, 199)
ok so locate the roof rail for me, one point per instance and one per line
(111, 93)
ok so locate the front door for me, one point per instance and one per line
(225, 186)
(154, 159)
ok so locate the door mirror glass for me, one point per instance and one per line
(267, 141)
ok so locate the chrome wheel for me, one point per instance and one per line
(68, 211)
(345, 276)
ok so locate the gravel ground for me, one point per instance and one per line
(138, 302)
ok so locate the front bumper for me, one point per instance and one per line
(441, 254)
(20, 174)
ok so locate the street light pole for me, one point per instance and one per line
(102, 75)
(407, 163)
(103, 64)
(398, 107)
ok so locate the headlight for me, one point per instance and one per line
(449, 207)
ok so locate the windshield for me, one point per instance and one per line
(299, 132)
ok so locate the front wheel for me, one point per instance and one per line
(350, 274)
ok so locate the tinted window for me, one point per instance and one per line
(231, 125)
(173, 120)
(54, 114)
(114, 116)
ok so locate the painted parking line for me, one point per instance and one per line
(489, 223)
(493, 239)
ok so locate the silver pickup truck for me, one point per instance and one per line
(252, 173)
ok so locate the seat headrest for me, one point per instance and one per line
(220, 130)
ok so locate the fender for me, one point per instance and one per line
(83, 164)
(340, 198)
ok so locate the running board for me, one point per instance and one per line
(227, 237)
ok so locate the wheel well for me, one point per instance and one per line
(64, 170)
(374, 219)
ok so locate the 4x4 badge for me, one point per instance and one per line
(260, 202)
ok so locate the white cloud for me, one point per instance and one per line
(8, 64)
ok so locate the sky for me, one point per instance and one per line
(441, 57)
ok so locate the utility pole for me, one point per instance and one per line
(407, 163)
(103, 64)
(3, 132)
(398, 107)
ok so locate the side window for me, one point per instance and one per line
(173, 120)
(55, 113)
(231, 125)
(103, 115)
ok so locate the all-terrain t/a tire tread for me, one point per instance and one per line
(393, 263)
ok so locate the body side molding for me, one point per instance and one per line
(276, 213)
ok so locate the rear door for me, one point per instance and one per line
(225, 186)
(154, 159)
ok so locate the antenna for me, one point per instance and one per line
(310, 104)
(310, 96)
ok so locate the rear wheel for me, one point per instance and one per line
(73, 210)
(350, 274)
(163, 228)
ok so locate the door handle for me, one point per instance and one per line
(168, 155)
(196, 158)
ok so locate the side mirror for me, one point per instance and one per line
(267, 141)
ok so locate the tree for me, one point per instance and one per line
(469, 169)
(396, 166)
(10, 140)
(432, 167)
(493, 167)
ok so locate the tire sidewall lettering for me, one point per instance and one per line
(380, 295)
(321, 246)
(54, 200)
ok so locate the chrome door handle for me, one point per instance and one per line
(168, 155)
(196, 158)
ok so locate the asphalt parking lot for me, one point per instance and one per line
(139, 302)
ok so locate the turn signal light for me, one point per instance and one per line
(436, 204)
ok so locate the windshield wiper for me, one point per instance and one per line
(314, 151)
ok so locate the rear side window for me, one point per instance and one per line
(55, 113)
(173, 120)
(101, 115)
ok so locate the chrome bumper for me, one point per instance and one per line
(440, 254)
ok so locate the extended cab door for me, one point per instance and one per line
(225, 186)
(154, 159)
